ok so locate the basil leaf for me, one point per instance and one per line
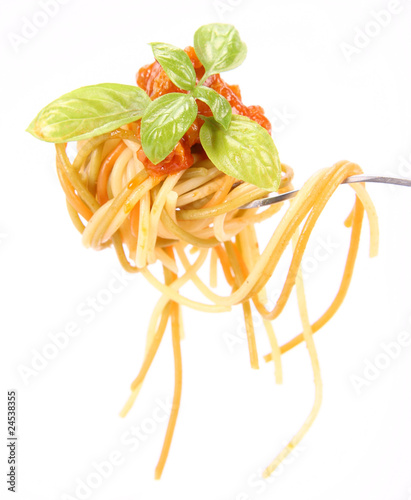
(88, 112)
(165, 122)
(176, 63)
(218, 104)
(219, 48)
(245, 151)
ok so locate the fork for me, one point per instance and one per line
(276, 198)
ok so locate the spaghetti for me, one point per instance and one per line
(168, 226)
(188, 201)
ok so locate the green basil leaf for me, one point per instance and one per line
(245, 151)
(219, 47)
(218, 104)
(88, 112)
(165, 122)
(176, 63)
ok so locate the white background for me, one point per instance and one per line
(233, 420)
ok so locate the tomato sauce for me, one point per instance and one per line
(153, 80)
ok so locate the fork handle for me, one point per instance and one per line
(378, 178)
(277, 198)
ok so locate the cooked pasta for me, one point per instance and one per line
(145, 229)
(161, 175)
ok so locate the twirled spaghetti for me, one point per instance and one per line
(162, 171)
(150, 219)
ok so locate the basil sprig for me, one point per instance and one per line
(88, 112)
(237, 146)
(166, 120)
(219, 48)
(245, 151)
(176, 63)
(218, 104)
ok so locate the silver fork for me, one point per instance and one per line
(276, 198)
